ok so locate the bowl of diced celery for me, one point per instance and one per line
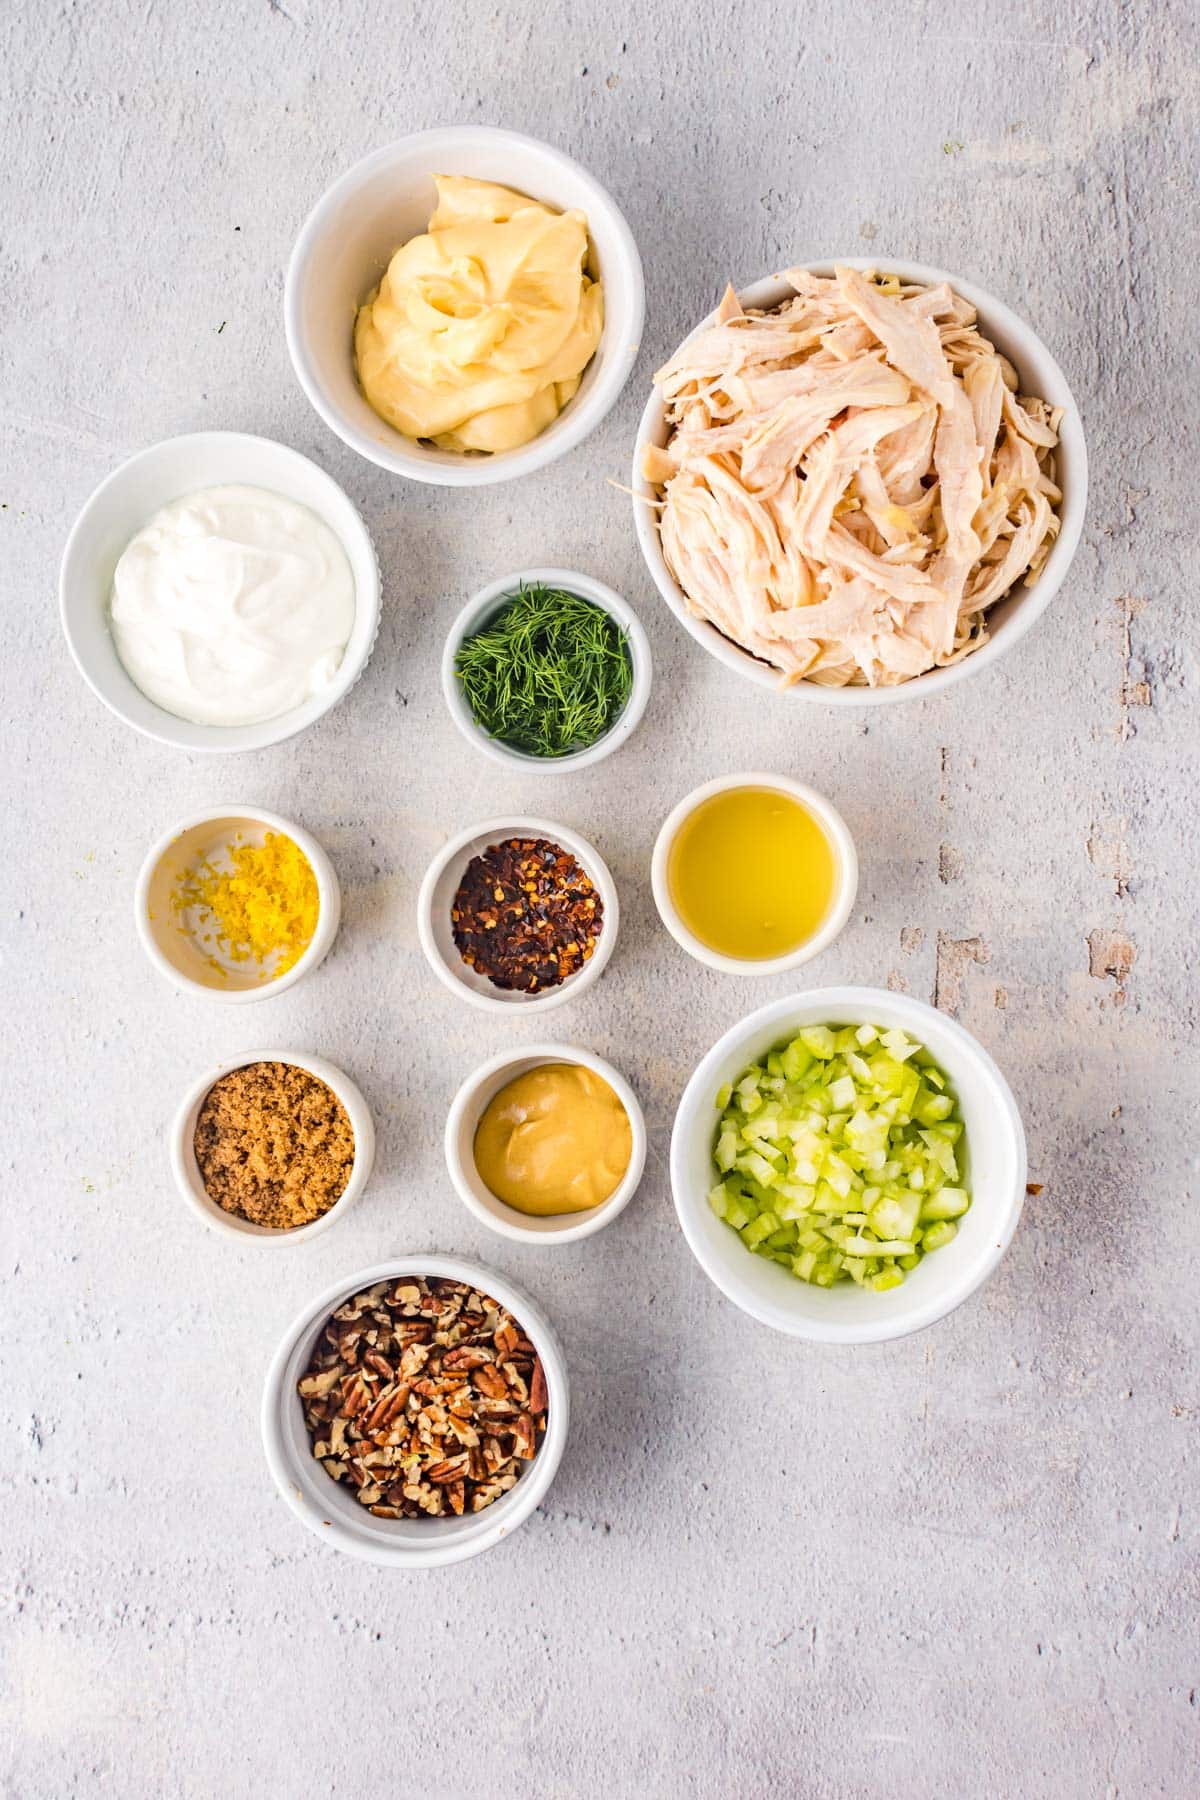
(848, 1164)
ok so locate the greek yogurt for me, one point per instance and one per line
(232, 605)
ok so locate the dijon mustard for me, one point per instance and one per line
(554, 1140)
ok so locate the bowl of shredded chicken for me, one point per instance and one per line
(859, 482)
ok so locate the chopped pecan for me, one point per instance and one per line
(356, 1396)
(515, 1381)
(525, 1438)
(466, 1357)
(449, 1470)
(315, 1386)
(490, 1381)
(390, 1405)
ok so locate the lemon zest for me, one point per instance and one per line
(263, 908)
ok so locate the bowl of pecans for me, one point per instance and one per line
(517, 913)
(415, 1414)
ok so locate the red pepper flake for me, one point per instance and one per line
(526, 915)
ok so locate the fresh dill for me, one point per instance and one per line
(549, 674)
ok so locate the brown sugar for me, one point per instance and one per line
(274, 1145)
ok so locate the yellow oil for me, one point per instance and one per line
(752, 873)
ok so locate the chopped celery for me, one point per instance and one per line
(843, 1093)
(864, 1246)
(947, 1203)
(760, 1229)
(895, 1217)
(795, 1060)
(725, 1154)
(760, 1168)
(840, 1156)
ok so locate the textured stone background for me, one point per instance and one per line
(964, 1564)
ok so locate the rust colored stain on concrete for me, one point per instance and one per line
(950, 864)
(954, 957)
(1111, 955)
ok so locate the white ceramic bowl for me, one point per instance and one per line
(845, 858)
(348, 240)
(440, 885)
(186, 1170)
(128, 498)
(489, 601)
(328, 1509)
(1011, 617)
(173, 950)
(846, 1314)
(463, 1119)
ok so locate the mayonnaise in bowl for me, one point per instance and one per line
(232, 605)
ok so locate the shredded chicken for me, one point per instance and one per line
(851, 480)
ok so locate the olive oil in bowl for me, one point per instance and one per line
(752, 873)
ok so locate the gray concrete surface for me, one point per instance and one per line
(960, 1565)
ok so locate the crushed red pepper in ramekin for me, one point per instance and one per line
(526, 915)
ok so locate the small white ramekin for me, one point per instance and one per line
(332, 1513)
(186, 1170)
(351, 235)
(463, 1119)
(127, 499)
(844, 855)
(489, 601)
(846, 1313)
(174, 953)
(1011, 617)
(437, 895)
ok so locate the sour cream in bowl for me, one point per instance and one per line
(232, 605)
(247, 599)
